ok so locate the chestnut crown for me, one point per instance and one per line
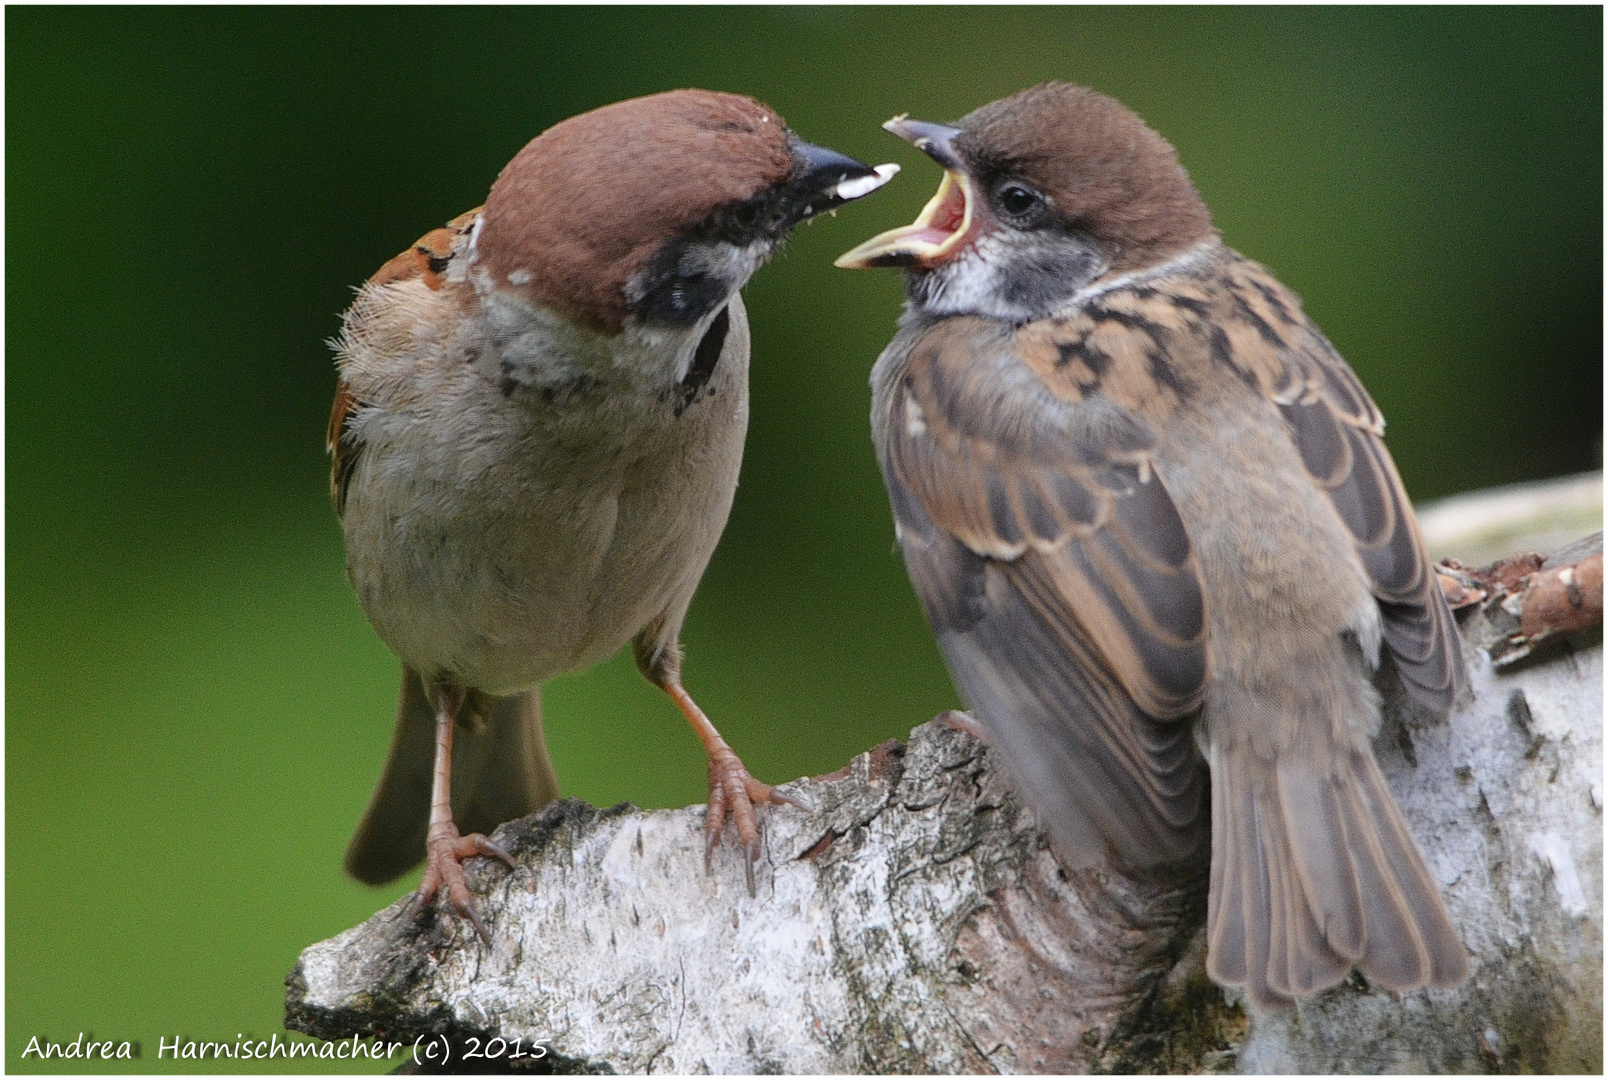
(657, 207)
(1101, 169)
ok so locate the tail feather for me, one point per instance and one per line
(1258, 897)
(1301, 959)
(1393, 955)
(1448, 959)
(1314, 873)
(1226, 946)
(500, 771)
(1317, 838)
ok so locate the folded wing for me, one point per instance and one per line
(1062, 587)
(1339, 432)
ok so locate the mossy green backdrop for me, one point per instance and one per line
(196, 709)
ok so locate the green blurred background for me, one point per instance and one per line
(196, 709)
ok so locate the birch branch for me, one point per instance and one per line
(912, 918)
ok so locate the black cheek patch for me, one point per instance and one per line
(674, 297)
(1040, 278)
(681, 301)
(702, 368)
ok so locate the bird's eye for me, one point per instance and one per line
(746, 215)
(1017, 200)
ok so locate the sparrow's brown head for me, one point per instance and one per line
(1043, 193)
(658, 207)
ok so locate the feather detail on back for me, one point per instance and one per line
(1062, 585)
(1339, 433)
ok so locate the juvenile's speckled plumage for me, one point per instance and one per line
(536, 440)
(1149, 513)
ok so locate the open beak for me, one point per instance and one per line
(944, 223)
(825, 180)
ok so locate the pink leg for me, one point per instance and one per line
(731, 788)
(445, 850)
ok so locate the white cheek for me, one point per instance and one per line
(970, 285)
(728, 262)
(660, 354)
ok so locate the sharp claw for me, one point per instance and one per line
(749, 863)
(714, 819)
(446, 851)
(790, 800)
(421, 897)
(733, 794)
(487, 848)
(466, 909)
(712, 827)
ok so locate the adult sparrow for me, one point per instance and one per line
(536, 439)
(1149, 514)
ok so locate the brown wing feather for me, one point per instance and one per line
(1339, 432)
(427, 259)
(343, 448)
(1062, 587)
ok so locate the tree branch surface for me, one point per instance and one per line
(912, 919)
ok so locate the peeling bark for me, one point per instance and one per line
(912, 919)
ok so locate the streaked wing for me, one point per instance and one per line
(1062, 587)
(1339, 433)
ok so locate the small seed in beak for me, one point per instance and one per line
(865, 185)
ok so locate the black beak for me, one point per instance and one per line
(934, 140)
(824, 180)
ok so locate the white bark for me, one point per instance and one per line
(1479, 527)
(913, 920)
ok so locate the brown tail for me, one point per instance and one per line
(500, 771)
(1314, 873)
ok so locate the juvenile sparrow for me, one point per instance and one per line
(536, 439)
(1148, 511)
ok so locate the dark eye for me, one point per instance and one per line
(1016, 200)
(746, 215)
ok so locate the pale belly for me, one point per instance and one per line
(500, 576)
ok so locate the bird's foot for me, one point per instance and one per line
(733, 791)
(443, 865)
